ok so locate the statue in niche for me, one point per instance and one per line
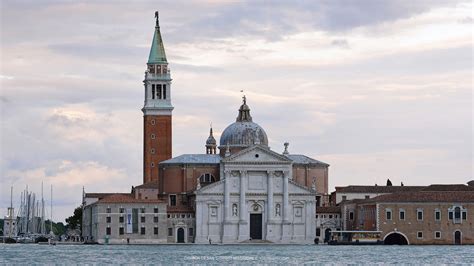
(277, 210)
(313, 183)
(198, 186)
(234, 209)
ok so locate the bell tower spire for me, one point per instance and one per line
(211, 143)
(157, 109)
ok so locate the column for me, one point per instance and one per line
(226, 196)
(269, 196)
(243, 211)
(285, 196)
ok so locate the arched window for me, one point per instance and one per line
(207, 178)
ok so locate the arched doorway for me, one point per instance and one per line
(395, 239)
(180, 235)
(327, 234)
(457, 238)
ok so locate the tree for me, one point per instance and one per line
(389, 183)
(75, 221)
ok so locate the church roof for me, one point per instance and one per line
(303, 159)
(127, 198)
(157, 51)
(194, 159)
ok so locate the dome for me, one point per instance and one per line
(244, 132)
(241, 134)
(211, 140)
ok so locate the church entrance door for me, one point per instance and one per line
(180, 235)
(256, 226)
(457, 238)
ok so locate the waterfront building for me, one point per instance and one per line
(436, 214)
(121, 218)
(10, 223)
(365, 192)
(328, 219)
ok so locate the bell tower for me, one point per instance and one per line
(157, 110)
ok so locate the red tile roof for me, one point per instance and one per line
(425, 196)
(449, 187)
(179, 209)
(102, 195)
(153, 184)
(377, 189)
(127, 198)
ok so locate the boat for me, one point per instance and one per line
(356, 238)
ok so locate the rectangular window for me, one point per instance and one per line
(402, 215)
(155, 219)
(142, 219)
(109, 219)
(419, 235)
(367, 197)
(318, 231)
(344, 198)
(170, 231)
(155, 230)
(437, 234)
(191, 232)
(107, 231)
(108, 210)
(121, 219)
(419, 215)
(158, 91)
(172, 200)
(330, 216)
(437, 215)
(142, 230)
(155, 210)
(164, 91)
(153, 91)
(388, 214)
(121, 210)
(464, 215)
(450, 214)
(121, 231)
(351, 216)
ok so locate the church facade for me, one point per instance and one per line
(234, 192)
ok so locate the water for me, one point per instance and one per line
(233, 254)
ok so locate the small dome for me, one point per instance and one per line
(244, 132)
(211, 140)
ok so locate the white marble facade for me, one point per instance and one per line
(255, 200)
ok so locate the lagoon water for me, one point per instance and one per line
(232, 254)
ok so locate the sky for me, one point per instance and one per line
(377, 89)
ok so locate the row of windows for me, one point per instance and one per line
(457, 213)
(189, 215)
(437, 235)
(190, 231)
(108, 231)
(122, 219)
(122, 210)
(160, 90)
(330, 216)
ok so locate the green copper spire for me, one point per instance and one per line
(157, 51)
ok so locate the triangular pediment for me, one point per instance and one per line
(257, 154)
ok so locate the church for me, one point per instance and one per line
(239, 191)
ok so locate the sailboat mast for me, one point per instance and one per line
(11, 212)
(51, 208)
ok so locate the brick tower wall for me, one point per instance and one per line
(160, 127)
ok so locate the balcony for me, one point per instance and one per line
(163, 76)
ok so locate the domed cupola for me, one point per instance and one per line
(211, 143)
(243, 133)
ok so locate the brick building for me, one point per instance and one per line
(436, 214)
